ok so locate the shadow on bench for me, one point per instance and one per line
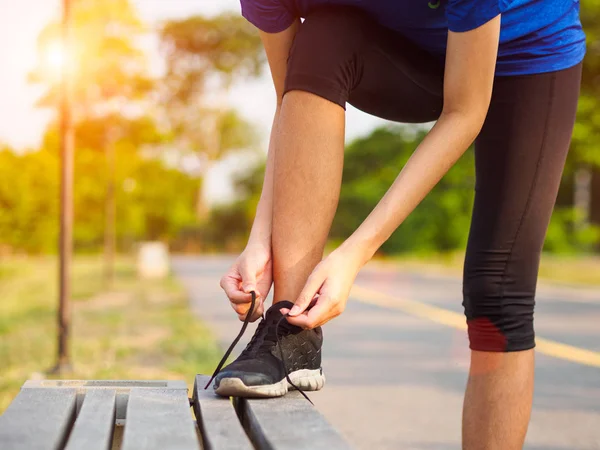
(154, 415)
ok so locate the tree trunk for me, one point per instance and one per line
(67, 148)
(213, 152)
(202, 209)
(110, 211)
(583, 196)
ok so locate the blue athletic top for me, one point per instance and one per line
(536, 35)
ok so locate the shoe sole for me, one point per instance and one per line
(305, 379)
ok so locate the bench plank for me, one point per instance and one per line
(305, 427)
(93, 429)
(38, 419)
(121, 386)
(219, 425)
(159, 419)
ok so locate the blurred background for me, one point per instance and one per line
(171, 109)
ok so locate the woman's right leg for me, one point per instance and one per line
(338, 55)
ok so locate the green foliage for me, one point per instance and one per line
(28, 201)
(565, 237)
(153, 200)
(439, 224)
(198, 47)
(234, 132)
(227, 228)
(112, 95)
(587, 129)
(157, 201)
(372, 164)
(203, 55)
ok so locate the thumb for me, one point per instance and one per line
(248, 279)
(311, 288)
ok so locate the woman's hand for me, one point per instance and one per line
(252, 271)
(331, 280)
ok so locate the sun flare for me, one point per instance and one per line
(55, 57)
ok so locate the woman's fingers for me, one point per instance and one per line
(323, 311)
(242, 279)
(241, 298)
(231, 285)
(241, 303)
(248, 276)
(311, 288)
(258, 312)
(243, 308)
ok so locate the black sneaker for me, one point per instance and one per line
(260, 372)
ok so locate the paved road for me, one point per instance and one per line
(396, 371)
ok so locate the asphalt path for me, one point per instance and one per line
(396, 361)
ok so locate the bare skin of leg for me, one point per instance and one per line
(308, 166)
(498, 400)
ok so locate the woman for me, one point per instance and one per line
(503, 74)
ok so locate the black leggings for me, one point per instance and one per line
(341, 55)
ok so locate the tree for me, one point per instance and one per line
(28, 201)
(203, 57)
(439, 224)
(142, 185)
(109, 81)
(154, 201)
(367, 178)
(584, 161)
(109, 70)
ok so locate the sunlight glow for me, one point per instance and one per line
(55, 57)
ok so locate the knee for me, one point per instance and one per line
(324, 58)
(499, 307)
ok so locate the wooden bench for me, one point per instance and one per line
(155, 415)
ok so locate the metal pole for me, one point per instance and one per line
(66, 197)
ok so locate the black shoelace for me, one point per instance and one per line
(239, 336)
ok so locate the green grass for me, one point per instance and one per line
(135, 330)
(571, 269)
(582, 270)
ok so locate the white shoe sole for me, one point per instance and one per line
(305, 379)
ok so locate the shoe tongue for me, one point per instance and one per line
(275, 309)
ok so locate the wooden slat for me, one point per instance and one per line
(219, 425)
(121, 386)
(111, 384)
(38, 419)
(93, 429)
(288, 423)
(159, 419)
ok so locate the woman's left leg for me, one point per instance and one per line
(519, 156)
(338, 55)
